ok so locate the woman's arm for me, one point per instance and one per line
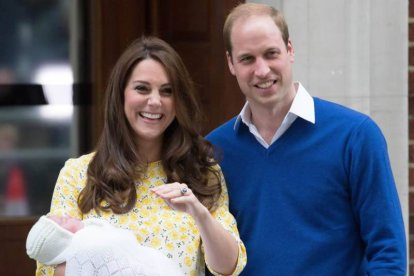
(70, 181)
(221, 248)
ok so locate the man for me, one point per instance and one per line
(309, 181)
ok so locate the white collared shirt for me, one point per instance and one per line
(302, 106)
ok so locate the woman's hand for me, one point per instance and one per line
(60, 270)
(179, 197)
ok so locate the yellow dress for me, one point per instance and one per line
(154, 223)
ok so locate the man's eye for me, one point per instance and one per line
(272, 54)
(246, 59)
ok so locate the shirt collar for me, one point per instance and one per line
(302, 106)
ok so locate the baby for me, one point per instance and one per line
(94, 247)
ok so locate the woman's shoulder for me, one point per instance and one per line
(80, 162)
(216, 168)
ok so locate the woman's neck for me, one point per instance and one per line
(150, 150)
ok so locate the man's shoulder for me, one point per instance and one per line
(330, 108)
(222, 130)
(344, 118)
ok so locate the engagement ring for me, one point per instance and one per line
(183, 191)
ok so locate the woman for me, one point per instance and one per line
(152, 172)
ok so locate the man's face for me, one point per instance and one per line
(261, 62)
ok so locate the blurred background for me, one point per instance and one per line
(37, 122)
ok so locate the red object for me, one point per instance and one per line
(16, 200)
(16, 187)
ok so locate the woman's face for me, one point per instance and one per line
(149, 104)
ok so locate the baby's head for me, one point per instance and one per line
(49, 237)
(69, 223)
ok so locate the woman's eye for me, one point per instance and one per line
(166, 91)
(141, 88)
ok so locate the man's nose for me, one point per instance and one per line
(261, 68)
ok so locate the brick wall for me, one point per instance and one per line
(411, 132)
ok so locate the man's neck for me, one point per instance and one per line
(267, 120)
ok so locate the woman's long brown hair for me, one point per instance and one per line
(186, 156)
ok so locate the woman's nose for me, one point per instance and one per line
(154, 99)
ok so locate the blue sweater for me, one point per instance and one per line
(321, 200)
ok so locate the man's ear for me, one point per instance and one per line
(230, 63)
(291, 51)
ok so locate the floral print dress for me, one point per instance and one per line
(153, 222)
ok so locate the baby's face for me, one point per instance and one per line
(69, 223)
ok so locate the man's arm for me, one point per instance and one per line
(375, 201)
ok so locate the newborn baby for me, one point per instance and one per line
(94, 247)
